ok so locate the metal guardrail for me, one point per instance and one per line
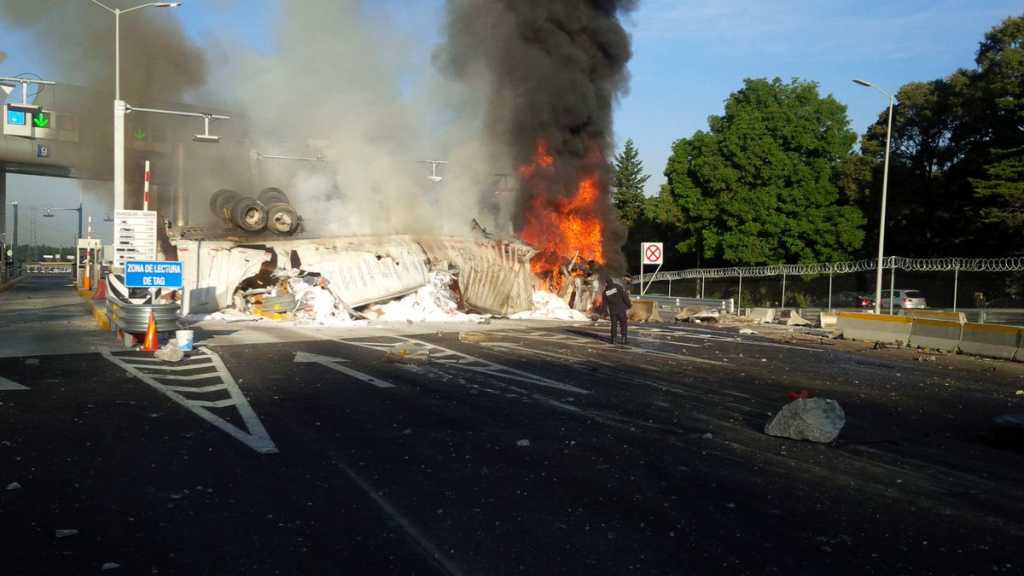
(678, 303)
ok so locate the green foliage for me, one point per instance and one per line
(629, 185)
(955, 176)
(762, 185)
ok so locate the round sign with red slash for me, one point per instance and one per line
(652, 252)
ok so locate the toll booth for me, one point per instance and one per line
(89, 263)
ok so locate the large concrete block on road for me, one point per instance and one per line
(935, 334)
(875, 327)
(762, 315)
(828, 320)
(916, 313)
(993, 341)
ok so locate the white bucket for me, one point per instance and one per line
(184, 338)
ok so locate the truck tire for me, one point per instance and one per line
(282, 218)
(221, 203)
(272, 195)
(248, 214)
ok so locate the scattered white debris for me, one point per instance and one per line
(14, 486)
(110, 566)
(32, 361)
(434, 302)
(548, 306)
(524, 443)
(747, 332)
(707, 436)
(65, 533)
(171, 352)
(1020, 392)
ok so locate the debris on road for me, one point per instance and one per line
(13, 486)
(408, 353)
(747, 332)
(64, 533)
(171, 352)
(815, 419)
(524, 443)
(472, 337)
(109, 566)
(548, 306)
(435, 302)
(1020, 392)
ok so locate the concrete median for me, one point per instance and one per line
(993, 340)
(875, 327)
(916, 313)
(935, 334)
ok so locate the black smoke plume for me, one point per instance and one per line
(552, 71)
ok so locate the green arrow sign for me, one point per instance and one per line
(140, 134)
(41, 120)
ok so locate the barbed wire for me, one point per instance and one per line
(1010, 264)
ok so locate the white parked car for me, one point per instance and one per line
(904, 299)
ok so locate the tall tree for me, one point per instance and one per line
(762, 185)
(629, 184)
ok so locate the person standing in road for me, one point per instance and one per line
(616, 303)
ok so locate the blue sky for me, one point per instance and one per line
(688, 54)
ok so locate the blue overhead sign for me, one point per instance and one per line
(16, 117)
(152, 274)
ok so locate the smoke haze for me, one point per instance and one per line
(343, 83)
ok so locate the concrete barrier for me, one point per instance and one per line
(875, 327)
(935, 334)
(762, 315)
(993, 340)
(642, 310)
(916, 313)
(828, 320)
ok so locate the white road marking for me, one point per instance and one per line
(446, 357)
(6, 384)
(335, 364)
(516, 347)
(255, 436)
(596, 344)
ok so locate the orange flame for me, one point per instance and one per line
(561, 228)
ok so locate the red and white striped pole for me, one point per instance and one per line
(145, 188)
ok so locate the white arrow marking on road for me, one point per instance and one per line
(335, 364)
(6, 384)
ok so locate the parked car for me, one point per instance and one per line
(904, 299)
(850, 299)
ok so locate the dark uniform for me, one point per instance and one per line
(616, 303)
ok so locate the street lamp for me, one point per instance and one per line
(885, 186)
(120, 108)
(49, 214)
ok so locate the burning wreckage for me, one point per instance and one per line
(386, 278)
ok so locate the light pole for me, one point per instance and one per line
(120, 108)
(885, 187)
(49, 214)
(14, 242)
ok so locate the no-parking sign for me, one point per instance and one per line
(652, 253)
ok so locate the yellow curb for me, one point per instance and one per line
(875, 317)
(100, 314)
(996, 328)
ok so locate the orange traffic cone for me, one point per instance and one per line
(101, 290)
(85, 280)
(151, 343)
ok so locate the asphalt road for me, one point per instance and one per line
(506, 451)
